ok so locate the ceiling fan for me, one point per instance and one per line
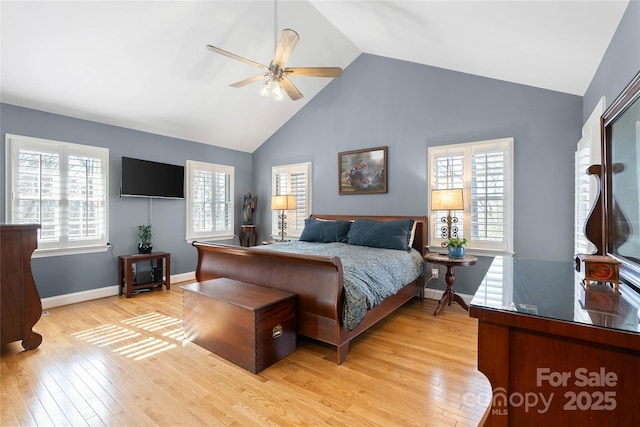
(277, 74)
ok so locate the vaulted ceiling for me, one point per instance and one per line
(144, 65)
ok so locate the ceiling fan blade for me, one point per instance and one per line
(314, 71)
(288, 40)
(249, 80)
(290, 88)
(236, 57)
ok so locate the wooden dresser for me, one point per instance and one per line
(552, 357)
(20, 302)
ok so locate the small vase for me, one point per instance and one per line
(144, 248)
(456, 252)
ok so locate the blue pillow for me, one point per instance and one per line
(325, 231)
(381, 234)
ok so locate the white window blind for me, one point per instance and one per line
(586, 186)
(209, 201)
(61, 186)
(293, 180)
(484, 170)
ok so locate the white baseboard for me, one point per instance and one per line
(437, 294)
(82, 296)
(183, 277)
(97, 293)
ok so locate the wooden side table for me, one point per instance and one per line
(125, 273)
(449, 295)
(248, 234)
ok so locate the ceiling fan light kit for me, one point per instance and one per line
(276, 73)
(267, 89)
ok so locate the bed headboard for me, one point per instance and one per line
(420, 237)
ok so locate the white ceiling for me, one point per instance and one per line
(144, 65)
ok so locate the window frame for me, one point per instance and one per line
(65, 244)
(303, 210)
(588, 152)
(467, 150)
(212, 234)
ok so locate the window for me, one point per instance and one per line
(209, 201)
(64, 188)
(586, 187)
(484, 170)
(292, 180)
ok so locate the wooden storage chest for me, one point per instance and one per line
(252, 326)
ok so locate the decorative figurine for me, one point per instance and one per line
(248, 208)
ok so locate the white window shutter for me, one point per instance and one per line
(61, 186)
(209, 201)
(586, 187)
(293, 180)
(484, 170)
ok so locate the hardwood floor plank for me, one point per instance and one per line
(119, 361)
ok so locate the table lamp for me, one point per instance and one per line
(448, 200)
(283, 203)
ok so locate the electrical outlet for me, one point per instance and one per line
(434, 273)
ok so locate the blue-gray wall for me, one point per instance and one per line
(74, 273)
(409, 107)
(620, 63)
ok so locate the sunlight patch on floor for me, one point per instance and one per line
(145, 348)
(141, 345)
(152, 321)
(106, 335)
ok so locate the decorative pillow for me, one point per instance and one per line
(381, 234)
(323, 231)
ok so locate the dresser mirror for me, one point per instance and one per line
(621, 154)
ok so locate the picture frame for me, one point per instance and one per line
(362, 171)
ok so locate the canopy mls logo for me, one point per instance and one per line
(602, 399)
(501, 401)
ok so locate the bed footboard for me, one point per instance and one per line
(317, 281)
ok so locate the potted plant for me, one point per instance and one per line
(456, 247)
(144, 233)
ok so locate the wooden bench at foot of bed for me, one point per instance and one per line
(249, 325)
(316, 280)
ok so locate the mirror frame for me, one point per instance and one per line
(629, 269)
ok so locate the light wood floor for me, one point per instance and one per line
(122, 362)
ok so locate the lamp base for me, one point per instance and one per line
(282, 225)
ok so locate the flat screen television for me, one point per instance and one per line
(143, 178)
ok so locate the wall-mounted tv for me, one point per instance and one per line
(143, 178)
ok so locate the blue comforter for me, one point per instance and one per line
(370, 274)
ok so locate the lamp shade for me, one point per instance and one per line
(283, 202)
(447, 200)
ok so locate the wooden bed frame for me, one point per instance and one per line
(317, 281)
